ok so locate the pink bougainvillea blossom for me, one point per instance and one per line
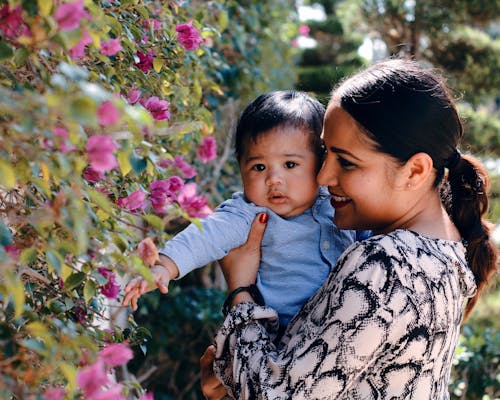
(92, 175)
(54, 393)
(69, 15)
(158, 108)
(61, 139)
(116, 354)
(178, 162)
(11, 21)
(304, 30)
(148, 252)
(112, 392)
(108, 113)
(133, 96)
(111, 289)
(164, 192)
(145, 61)
(13, 251)
(188, 36)
(206, 151)
(195, 205)
(134, 202)
(91, 378)
(111, 47)
(78, 50)
(100, 153)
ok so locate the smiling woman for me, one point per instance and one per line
(385, 323)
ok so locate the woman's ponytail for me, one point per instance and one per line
(469, 186)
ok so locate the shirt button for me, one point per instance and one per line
(326, 245)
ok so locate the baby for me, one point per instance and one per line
(279, 151)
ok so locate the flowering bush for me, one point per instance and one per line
(106, 131)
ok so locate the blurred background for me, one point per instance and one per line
(311, 45)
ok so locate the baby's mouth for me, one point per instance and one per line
(276, 197)
(340, 201)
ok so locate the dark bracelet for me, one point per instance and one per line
(253, 290)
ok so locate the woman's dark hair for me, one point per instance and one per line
(407, 109)
(284, 108)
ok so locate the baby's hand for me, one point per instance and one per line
(138, 286)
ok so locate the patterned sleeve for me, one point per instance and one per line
(329, 344)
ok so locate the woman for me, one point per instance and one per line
(385, 324)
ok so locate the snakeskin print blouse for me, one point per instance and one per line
(384, 325)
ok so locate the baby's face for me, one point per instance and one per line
(279, 171)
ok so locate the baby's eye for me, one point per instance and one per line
(258, 167)
(344, 163)
(290, 164)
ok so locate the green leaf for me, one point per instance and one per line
(84, 111)
(101, 200)
(28, 256)
(5, 235)
(155, 221)
(16, 291)
(89, 290)
(33, 344)
(123, 157)
(5, 51)
(74, 280)
(223, 20)
(138, 163)
(7, 175)
(54, 261)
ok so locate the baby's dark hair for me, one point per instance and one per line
(284, 108)
(407, 109)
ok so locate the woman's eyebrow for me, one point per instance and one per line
(342, 151)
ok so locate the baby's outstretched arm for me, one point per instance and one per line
(163, 270)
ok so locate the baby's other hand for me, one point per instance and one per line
(138, 286)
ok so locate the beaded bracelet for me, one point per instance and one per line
(253, 290)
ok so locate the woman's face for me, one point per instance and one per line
(363, 182)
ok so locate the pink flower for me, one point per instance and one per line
(61, 137)
(100, 153)
(78, 50)
(134, 202)
(195, 205)
(188, 36)
(304, 30)
(111, 288)
(107, 113)
(158, 108)
(116, 354)
(92, 378)
(133, 96)
(295, 43)
(164, 192)
(69, 15)
(148, 252)
(13, 251)
(114, 392)
(111, 47)
(54, 393)
(91, 175)
(11, 21)
(145, 61)
(147, 396)
(206, 152)
(187, 170)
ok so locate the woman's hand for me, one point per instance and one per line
(241, 264)
(211, 386)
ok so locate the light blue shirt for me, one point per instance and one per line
(298, 253)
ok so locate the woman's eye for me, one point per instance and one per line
(258, 167)
(290, 164)
(344, 163)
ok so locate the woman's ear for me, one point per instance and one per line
(417, 171)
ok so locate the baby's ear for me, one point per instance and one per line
(417, 170)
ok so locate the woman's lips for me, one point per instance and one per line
(339, 201)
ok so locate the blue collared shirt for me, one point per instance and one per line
(298, 253)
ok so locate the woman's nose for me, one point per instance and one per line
(327, 175)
